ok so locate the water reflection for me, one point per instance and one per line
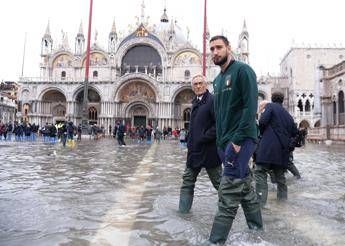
(102, 194)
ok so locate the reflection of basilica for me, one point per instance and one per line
(142, 77)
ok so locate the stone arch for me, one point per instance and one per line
(182, 99)
(317, 123)
(94, 103)
(97, 58)
(179, 90)
(139, 113)
(81, 89)
(62, 59)
(142, 58)
(131, 105)
(142, 87)
(192, 56)
(124, 47)
(135, 91)
(54, 103)
(304, 124)
(43, 92)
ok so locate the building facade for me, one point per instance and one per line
(8, 101)
(142, 78)
(300, 79)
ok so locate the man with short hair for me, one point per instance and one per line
(277, 129)
(236, 95)
(201, 144)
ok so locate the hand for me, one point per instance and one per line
(237, 148)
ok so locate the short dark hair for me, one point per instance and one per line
(225, 40)
(277, 97)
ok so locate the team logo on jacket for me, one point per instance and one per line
(228, 80)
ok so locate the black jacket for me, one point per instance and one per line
(202, 150)
(277, 129)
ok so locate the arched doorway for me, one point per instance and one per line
(304, 124)
(54, 104)
(138, 98)
(93, 107)
(182, 103)
(139, 116)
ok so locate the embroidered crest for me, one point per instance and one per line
(228, 80)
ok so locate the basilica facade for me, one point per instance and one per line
(142, 78)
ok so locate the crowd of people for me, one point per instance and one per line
(147, 134)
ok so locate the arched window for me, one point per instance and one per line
(186, 114)
(334, 113)
(341, 108)
(95, 74)
(92, 113)
(307, 106)
(300, 105)
(341, 101)
(187, 74)
(63, 75)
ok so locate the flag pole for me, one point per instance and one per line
(204, 41)
(23, 56)
(85, 121)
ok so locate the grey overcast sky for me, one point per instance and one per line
(273, 25)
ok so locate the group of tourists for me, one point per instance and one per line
(147, 134)
(226, 131)
(25, 131)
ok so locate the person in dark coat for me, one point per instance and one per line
(277, 129)
(202, 150)
(121, 130)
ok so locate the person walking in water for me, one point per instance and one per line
(202, 150)
(235, 100)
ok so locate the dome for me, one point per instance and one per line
(167, 30)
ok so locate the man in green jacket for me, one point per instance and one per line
(236, 97)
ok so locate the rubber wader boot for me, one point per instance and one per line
(185, 204)
(220, 232)
(254, 220)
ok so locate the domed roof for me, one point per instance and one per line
(167, 29)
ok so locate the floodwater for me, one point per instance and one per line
(98, 193)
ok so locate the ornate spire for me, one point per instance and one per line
(164, 17)
(244, 29)
(80, 32)
(113, 28)
(47, 33)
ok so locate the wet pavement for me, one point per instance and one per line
(101, 194)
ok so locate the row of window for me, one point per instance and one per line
(95, 75)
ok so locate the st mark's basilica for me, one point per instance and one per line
(142, 78)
